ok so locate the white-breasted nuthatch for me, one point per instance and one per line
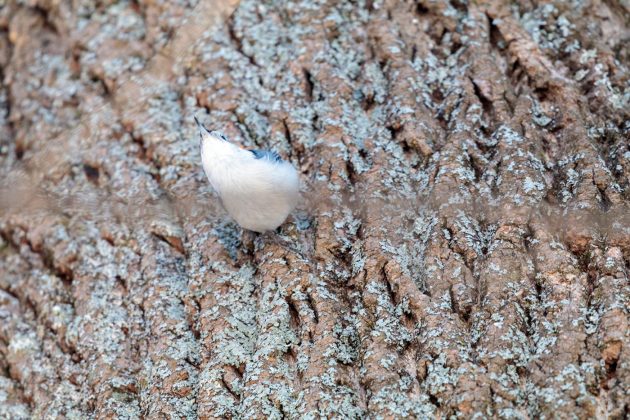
(256, 187)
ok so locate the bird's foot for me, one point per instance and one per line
(275, 239)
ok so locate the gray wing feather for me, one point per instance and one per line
(266, 154)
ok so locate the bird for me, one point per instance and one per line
(257, 188)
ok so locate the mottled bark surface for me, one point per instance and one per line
(464, 245)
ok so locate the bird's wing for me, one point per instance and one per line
(266, 154)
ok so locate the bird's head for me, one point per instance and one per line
(205, 134)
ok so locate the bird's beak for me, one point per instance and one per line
(202, 128)
(199, 124)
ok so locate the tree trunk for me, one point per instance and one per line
(462, 250)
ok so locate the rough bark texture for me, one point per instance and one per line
(463, 249)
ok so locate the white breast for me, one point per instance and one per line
(258, 193)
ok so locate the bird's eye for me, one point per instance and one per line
(219, 135)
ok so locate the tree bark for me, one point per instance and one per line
(462, 250)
